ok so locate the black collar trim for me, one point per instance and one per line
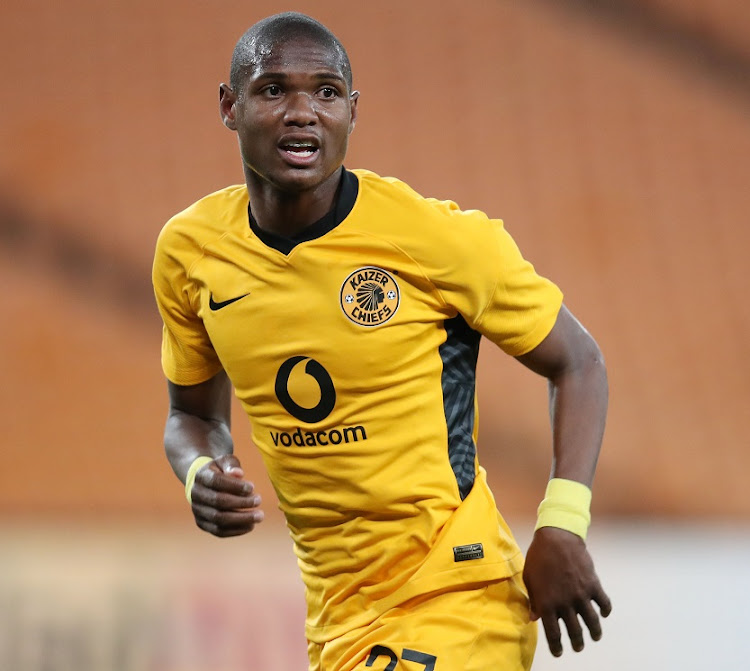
(345, 199)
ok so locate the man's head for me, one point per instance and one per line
(290, 100)
(259, 40)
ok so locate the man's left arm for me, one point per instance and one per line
(559, 572)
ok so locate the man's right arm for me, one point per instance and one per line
(198, 425)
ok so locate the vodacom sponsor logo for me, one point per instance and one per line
(311, 415)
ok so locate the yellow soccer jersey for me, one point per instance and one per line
(353, 351)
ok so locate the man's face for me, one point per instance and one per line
(293, 115)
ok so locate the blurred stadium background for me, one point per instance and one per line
(612, 136)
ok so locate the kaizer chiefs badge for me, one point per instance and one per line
(370, 296)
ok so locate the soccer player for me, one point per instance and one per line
(346, 310)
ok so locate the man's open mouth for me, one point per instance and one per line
(300, 149)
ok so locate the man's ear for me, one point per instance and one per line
(227, 100)
(353, 98)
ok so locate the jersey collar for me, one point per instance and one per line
(345, 199)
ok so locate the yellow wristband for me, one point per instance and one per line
(566, 506)
(200, 462)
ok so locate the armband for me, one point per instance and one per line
(190, 479)
(566, 505)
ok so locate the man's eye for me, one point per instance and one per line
(273, 90)
(328, 92)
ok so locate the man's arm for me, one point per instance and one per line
(198, 425)
(559, 572)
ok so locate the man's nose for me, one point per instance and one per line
(300, 110)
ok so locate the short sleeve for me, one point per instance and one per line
(187, 355)
(523, 307)
(493, 286)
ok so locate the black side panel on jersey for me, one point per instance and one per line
(459, 354)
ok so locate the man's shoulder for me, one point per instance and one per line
(402, 212)
(402, 194)
(208, 217)
(386, 186)
(213, 208)
(183, 238)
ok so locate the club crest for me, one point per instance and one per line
(370, 296)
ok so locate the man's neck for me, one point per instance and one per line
(288, 213)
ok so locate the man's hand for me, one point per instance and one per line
(223, 501)
(562, 584)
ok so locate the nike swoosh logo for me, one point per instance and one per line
(214, 305)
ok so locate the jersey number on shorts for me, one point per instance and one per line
(428, 661)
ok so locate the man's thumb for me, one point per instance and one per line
(230, 465)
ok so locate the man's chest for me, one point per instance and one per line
(361, 311)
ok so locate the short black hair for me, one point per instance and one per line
(280, 28)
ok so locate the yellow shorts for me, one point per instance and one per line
(485, 628)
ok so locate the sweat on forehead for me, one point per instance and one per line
(259, 40)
